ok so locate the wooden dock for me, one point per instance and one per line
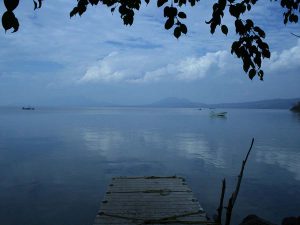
(150, 200)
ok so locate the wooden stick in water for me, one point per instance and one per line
(236, 192)
(220, 209)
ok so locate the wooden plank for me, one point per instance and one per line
(156, 205)
(150, 186)
(158, 217)
(152, 200)
(109, 220)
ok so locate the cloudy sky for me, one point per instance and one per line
(93, 59)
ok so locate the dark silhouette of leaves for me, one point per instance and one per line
(74, 11)
(10, 21)
(252, 73)
(35, 5)
(260, 74)
(161, 2)
(40, 3)
(94, 2)
(183, 28)
(292, 9)
(177, 32)
(182, 15)
(250, 47)
(259, 31)
(224, 29)
(169, 23)
(10, 5)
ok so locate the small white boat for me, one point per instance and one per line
(218, 114)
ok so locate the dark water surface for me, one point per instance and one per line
(55, 164)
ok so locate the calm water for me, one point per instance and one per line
(55, 164)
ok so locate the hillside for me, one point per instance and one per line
(173, 102)
(263, 104)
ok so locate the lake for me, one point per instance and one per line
(55, 163)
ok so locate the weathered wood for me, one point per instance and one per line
(220, 209)
(150, 200)
(234, 195)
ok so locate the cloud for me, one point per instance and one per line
(116, 67)
(156, 65)
(98, 50)
(286, 60)
(193, 68)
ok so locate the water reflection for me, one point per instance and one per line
(104, 142)
(55, 165)
(282, 157)
(195, 146)
(296, 116)
(121, 144)
(111, 143)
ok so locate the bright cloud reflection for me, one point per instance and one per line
(281, 157)
(151, 145)
(195, 146)
(103, 142)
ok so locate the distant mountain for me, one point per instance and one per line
(173, 102)
(263, 104)
(74, 101)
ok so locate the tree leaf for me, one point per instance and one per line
(40, 4)
(259, 31)
(94, 2)
(177, 32)
(252, 73)
(173, 11)
(183, 28)
(11, 5)
(261, 74)
(266, 53)
(169, 23)
(161, 2)
(35, 5)
(248, 7)
(167, 11)
(81, 9)
(10, 21)
(182, 15)
(74, 11)
(224, 29)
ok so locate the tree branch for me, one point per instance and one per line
(220, 209)
(236, 192)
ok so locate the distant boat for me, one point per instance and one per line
(218, 114)
(28, 108)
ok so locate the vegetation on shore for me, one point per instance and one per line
(296, 108)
